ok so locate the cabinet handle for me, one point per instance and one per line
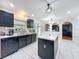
(45, 46)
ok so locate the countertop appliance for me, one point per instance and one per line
(9, 32)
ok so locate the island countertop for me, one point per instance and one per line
(16, 34)
(52, 36)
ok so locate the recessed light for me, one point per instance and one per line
(12, 5)
(33, 15)
(68, 12)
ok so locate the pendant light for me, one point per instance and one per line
(49, 8)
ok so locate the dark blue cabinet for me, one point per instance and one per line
(22, 41)
(45, 49)
(1, 17)
(30, 23)
(26, 40)
(6, 19)
(33, 37)
(9, 21)
(29, 39)
(9, 46)
(12, 44)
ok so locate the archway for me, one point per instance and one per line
(67, 31)
(47, 27)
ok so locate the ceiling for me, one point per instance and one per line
(37, 7)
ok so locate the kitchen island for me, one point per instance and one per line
(48, 45)
(11, 44)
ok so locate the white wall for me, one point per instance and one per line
(18, 22)
(76, 29)
(60, 22)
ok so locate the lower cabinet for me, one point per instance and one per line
(33, 37)
(12, 44)
(9, 46)
(45, 49)
(26, 40)
(22, 41)
(29, 39)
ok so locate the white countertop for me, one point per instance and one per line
(16, 34)
(49, 36)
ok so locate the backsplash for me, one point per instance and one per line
(18, 28)
(4, 30)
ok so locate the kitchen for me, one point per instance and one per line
(39, 29)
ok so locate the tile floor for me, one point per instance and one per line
(67, 50)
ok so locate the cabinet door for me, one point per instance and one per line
(30, 23)
(33, 37)
(9, 46)
(1, 19)
(9, 21)
(22, 41)
(45, 49)
(29, 39)
(6, 19)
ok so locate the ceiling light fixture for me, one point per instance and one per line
(12, 5)
(68, 12)
(49, 8)
(33, 15)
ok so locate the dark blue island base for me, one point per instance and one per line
(47, 49)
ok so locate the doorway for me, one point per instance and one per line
(67, 31)
(55, 27)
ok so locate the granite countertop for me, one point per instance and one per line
(49, 36)
(16, 34)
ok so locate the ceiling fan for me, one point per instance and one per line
(48, 8)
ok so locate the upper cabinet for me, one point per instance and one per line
(6, 19)
(30, 23)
